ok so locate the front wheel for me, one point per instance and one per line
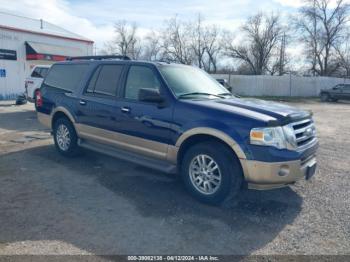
(65, 137)
(211, 172)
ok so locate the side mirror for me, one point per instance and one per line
(150, 95)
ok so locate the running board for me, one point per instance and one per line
(129, 156)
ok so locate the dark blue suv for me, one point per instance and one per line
(177, 119)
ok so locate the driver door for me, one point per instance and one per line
(145, 125)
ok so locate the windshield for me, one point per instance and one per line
(187, 82)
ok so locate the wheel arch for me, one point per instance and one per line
(61, 112)
(197, 135)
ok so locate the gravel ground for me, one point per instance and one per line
(94, 204)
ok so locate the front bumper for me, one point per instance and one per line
(269, 175)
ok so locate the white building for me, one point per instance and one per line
(25, 42)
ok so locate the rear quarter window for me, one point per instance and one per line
(66, 77)
(36, 73)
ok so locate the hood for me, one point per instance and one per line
(276, 113)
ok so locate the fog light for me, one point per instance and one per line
(284, 171)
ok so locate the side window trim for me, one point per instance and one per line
(95, 70)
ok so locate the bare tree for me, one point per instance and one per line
(204, 42)
(126, 41)
(262, 33)
(322, 27)
(152, 46)
(343, 56)
(177, 42)
(212, 41)
(197, 32)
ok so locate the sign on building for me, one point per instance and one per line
(6, 54)
(2, 72)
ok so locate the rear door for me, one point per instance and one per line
(98, 108)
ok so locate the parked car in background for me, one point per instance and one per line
(341, 91)
(224, 83)
(176, 119)
(34, 81)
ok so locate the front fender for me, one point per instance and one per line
(229, 140)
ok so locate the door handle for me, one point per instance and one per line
(125, 109)
(82, 102)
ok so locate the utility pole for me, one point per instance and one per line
(95, 49)
(282, 55)
(314, 40)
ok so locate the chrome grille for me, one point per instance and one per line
(305, 132)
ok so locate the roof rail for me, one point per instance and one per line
(99, 57)
(162, 61)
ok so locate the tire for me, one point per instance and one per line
(65, 137)
(325, 97)
(228, 169)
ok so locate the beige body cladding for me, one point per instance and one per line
(259, 175)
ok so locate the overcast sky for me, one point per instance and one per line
(94, 19)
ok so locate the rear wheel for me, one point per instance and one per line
(211, 172)
(325, 97)
(65, 137)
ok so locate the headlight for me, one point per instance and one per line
(289, 133)
(279, 137)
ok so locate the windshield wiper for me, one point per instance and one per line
(199, 93)
(225, 94)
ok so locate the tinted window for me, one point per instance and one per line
(43, 72)
(36, 73)
(140, 77)
(92, 82)
(107, 81)
(66, 77)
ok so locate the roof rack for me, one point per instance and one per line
(162, 61)
(99, 57)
